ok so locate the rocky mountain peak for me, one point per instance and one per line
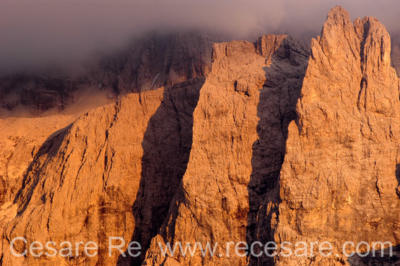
(237, 141)
(338, 39)
(362, 48)
(338, 15)
(344, 145)
(366, 39)
(375, 46)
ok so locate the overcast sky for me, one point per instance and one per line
(38, 32)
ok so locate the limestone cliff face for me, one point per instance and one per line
(335, 177)
(72, 189)
(83, 181)
(338, 180)
(219, 193)
(117, 170)
(20, 139)
(161, 136)
(262, 141)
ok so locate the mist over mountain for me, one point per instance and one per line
(164, 130)
(46, 34)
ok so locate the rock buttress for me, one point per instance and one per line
(338, 180)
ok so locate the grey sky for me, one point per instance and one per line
(39, 32)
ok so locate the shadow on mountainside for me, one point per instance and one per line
(387, 257)
(166, 148)
(33, 173)
(276, 109)
(398, 179)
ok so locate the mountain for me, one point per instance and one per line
(149, 62)
(244, 142)
(237, 104)
(340, 176)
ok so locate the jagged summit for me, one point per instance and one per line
(338, 14)
(340, 35)
(343, 155)
(366, 41)
(254, 142)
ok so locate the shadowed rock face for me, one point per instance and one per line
(117, 170)
(396, 54)
(166, 147)
(39, 92)
(83, 181)
(251, 91)
(338, 180)
(260, 141)
(148, 63)
(276, 109)
(154, 61)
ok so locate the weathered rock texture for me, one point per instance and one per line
(260, 142)
(21, 138)
(83, 181)
(338, 180)
(166, 146)
(248, 82)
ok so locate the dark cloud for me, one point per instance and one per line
(64, 32)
